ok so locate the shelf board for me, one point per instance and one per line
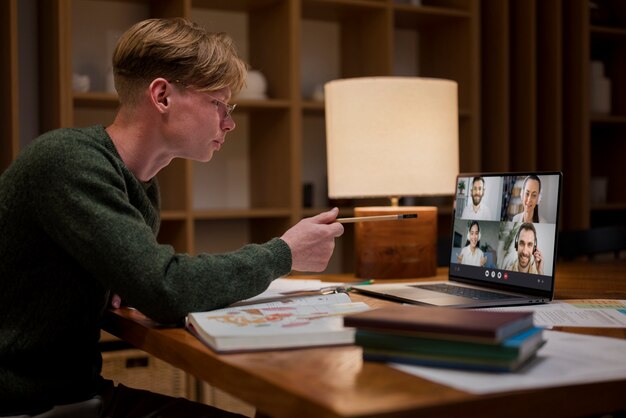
(109, 100)
(409, 17)
(343, 211)
(173, 215)
(607, 32)
(608, 207)
(233, 5)
(607, 119)
(313, 105)
(217, 214)
(251, 104)
(336, 10)
(96, 99)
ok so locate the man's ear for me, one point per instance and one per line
(160, 94)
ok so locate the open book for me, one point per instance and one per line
(289, 323)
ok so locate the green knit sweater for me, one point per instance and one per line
(75, 225)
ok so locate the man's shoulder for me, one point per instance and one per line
(62, 138)
(513, 266)
(70, 146)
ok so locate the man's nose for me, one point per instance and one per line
(228, 124)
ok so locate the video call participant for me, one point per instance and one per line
(529, 258)
(477, 210)
(471, 254)
(531, 195)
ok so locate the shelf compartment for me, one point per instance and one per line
(339, 10)
(174, 233)
(229, 234)
(264, 213)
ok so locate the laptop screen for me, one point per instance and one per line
(504, 231)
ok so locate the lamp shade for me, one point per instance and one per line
(391, 136)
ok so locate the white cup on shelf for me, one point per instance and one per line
(81, 82)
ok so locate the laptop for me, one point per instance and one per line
(503, 244)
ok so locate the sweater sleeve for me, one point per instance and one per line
(88, 207)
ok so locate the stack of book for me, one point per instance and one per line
(446, 337)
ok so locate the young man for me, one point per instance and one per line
(477, 210)
(529, 258)
(79, 213)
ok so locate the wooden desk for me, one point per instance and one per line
(335, 382)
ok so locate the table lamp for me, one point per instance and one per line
(392, 137)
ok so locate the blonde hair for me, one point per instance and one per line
(176, 50)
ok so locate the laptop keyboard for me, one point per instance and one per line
(465, 292)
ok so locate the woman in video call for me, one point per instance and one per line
(471, 254)
(531, 192)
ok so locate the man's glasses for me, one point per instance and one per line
(228, 107)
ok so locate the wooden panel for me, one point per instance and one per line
(174, 181)
(495, 55)
(9, 121)
(576, 168)
(366, 31)
(270, 179)
(271, 35)
(459, 37)
(170, 8)
(396, 249)
(549, 85)
(523, 86)
(174, 233)
(55, 77)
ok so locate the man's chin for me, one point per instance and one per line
(204, 158)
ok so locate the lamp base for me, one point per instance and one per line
(396, 249)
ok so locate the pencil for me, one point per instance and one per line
(377, 218)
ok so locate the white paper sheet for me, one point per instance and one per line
(595, 313)
(565, 359)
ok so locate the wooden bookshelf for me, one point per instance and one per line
(279, 143)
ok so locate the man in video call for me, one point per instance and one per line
(529, 258)
(477, 210)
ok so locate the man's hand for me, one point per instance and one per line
(538, 261)
(116, 301)
(312, 241)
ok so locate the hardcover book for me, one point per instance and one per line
(442, 323)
